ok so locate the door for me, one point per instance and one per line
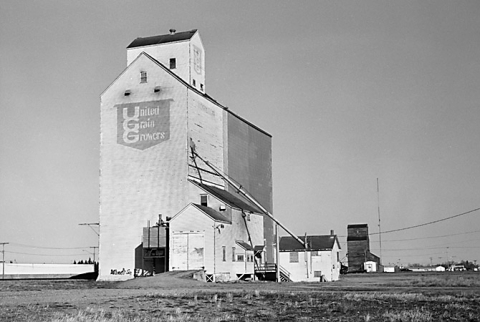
(188, 249)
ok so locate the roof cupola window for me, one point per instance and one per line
(173, 63)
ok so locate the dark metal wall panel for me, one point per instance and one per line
(250, 163)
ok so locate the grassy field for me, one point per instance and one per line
(357, 297)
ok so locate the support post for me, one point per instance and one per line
(3, 260)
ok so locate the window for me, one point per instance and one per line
(240, 258)
(173, 63)
(194, 83)
(233, 254)
(143, 77)
(201, 87)
(204, 200)
(338, 256)
(293, 257)
(315, 253)
(224, 253)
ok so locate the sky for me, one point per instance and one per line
(352, 92)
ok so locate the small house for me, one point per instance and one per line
(320, 261)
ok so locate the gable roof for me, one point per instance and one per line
(190, 87)
(212, 213)
(322, 242)
(227, 197)
(162, 39)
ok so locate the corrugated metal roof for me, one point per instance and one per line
(324, 242)
(215, 215)
(162, 39)
(244, 245)
(227, 197)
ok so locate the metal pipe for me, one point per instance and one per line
(250, 198)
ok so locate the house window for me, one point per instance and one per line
(240, 258)
(143, 77)
(204, 200)
(233, 254)
(201, 87)
(173, 63)
(315, 253)
(224, 253)
(293, 257)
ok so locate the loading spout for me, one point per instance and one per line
(243, 193)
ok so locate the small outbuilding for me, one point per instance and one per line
(370, 267)
(319, 262)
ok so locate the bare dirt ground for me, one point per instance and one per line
(174, 297)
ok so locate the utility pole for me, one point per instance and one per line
(90, 224)
(3, 259)
(94, 248)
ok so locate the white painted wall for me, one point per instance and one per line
(192, 219)
(183, 52)
(137, 185)
(308, 263)
(205, 127)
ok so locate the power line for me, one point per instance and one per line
(428, 223)
(41, 247)
(425, 248)
(431, 237)
(420, 238)
(18, 253)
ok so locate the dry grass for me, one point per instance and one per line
(415, 315)
(239, 302)
(441, 280)
(287, 306)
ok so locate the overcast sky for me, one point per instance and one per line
(351, 91)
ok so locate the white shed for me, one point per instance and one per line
(370, 267)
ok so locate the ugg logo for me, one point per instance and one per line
(143, 125)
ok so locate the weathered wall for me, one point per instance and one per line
(190, 218)
(136, 182)
(358, 246)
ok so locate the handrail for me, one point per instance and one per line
(284, 271)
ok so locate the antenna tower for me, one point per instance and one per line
(379, 226)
